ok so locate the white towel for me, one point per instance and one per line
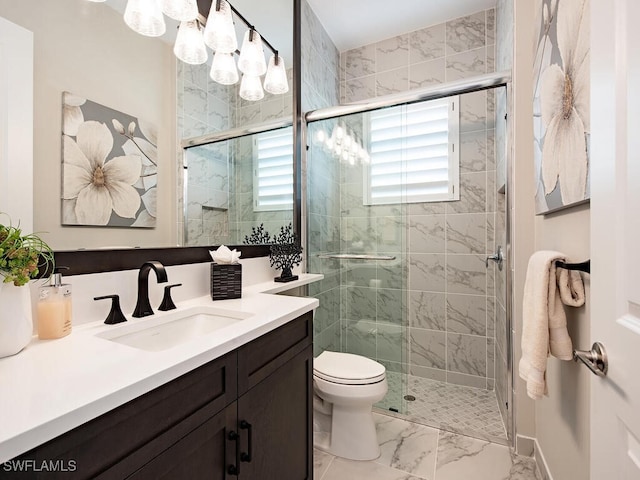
(544, 324)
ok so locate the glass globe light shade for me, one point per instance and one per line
(251, 88)
(181, 10)
(189, 45)
(219, 32)
(275, 81)
(223, 69)
(251, 61)
(145, 17)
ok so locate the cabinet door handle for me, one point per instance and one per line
(246, 457)
(235, 469)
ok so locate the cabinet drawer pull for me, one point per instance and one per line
(246, 457)
(235, 469)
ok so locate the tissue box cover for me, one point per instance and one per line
(226, 281)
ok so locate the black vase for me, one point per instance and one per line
(286, 276)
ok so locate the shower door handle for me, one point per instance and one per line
(497, 257)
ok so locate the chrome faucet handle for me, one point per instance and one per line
(497, 257)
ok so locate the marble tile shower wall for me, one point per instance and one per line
(450, 303)
(320, 88)
(205, 106)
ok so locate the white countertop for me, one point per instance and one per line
(53, 386)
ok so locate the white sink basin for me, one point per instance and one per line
(165, 331)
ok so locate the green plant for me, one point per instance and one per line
(22, 257)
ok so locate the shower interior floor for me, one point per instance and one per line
(455, 408)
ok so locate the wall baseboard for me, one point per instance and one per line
(541, 463)
(525, 445)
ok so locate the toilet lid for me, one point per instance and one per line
(347, 369)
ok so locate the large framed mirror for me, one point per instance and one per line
(85, 48)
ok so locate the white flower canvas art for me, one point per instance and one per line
(109, 166)
(561, 104)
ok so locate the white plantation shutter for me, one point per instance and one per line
(273, 170)
(414, 153)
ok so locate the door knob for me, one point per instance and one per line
(595, 359)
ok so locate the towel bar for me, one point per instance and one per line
(583, 267)
(350, 256)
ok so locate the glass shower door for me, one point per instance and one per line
(360, 247)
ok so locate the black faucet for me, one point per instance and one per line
(143, 307)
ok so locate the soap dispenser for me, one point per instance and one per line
(53, 311)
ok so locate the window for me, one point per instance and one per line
(414, 153)
(273, 170)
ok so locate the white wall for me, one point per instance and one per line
(560, 422)
(86, 48)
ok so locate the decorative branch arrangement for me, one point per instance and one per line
(259, 236)
(286, 251)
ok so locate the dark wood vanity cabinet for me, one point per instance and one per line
(247, 415)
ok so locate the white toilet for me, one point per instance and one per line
(346, 386)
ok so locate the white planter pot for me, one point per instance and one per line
(16, 323)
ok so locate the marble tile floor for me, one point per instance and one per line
(410, 451)
(455, 408)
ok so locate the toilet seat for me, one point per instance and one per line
(347, 369)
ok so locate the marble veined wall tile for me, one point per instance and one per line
(428, 348)
(392, 273)
(390, 234)
(427, 73)
(466, 274)
(361, 88)
(361, 338)
(427, 272)
(491, 317)
(466, 33)
(491, 243)
(473, 194)
(473, 111)
(466, 64)
(360, 61)
(427, 43)
(359, 235)
(467, 380)
(473, 151)
(195, 103)
(426, 208)
(389, 343)
(392, 53)
(491, 26)
(195, 75)
(467, 354)
(466, 233)
(359, 273)
(218, 114)
(392, 81)
(272, 110)
(467, 314)
(427, 310)
(426, 234)
(360, 303)
(391, 306)
(490, 358)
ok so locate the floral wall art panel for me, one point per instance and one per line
(561, 104)
(109, 166)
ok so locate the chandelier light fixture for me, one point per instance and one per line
(219, 34)
(343, 144)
